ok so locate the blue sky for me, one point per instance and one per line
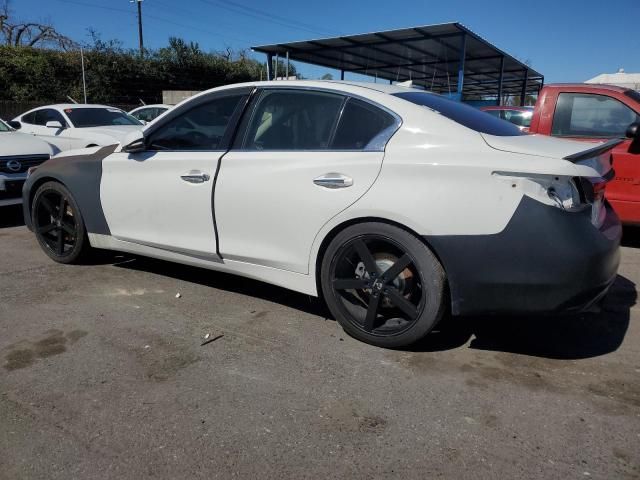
(566, 40)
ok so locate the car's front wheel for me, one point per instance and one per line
(58, 224)
(383, 285)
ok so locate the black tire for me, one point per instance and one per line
(58, 224)
(397, 304)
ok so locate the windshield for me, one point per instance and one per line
(4, 127)
(99, 117)
(463, 114)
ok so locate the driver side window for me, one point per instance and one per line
(200, 128)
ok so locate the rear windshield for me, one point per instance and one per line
(463, 114)
(99, 117)
(4, 127)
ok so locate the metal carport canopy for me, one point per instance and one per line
(445, 58)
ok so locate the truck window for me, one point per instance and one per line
(591, 115)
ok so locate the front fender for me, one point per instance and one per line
(81, 175)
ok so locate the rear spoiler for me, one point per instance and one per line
(595, 151)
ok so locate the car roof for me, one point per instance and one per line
(587, 86)
(153, 105)
(64, 106)
(389, 89)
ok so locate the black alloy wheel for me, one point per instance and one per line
(57, 223)
(384, 285)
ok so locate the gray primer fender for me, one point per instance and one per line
(81, 174)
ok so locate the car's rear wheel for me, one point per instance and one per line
(58, 224)
(383, 285)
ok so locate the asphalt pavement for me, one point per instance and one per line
(103, 375)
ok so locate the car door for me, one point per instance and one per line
(594, 117)
(301, 157)
(162, 197)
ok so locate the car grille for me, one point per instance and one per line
(12, 189)
(20, 163)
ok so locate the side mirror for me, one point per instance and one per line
(15, 124)
(134, 143)
(634, 131)
(144, 122)
(54, 124)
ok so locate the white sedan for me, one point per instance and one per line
(73, 126)
(147, 113)
(394, 204)
(18, 153)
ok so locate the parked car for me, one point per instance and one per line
(286, 183)
(73, 126)
(148, 113)
(18, 153)
(520, 116)
(596, 113)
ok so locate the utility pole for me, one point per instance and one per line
(139, 3)
(84, 81)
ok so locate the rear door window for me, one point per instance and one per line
(591, 115)
(293, 120)
(363, 127)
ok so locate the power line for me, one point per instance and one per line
(155, 17)
(263, 16)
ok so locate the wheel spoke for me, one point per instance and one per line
(372, 312)
(68, 228)
(349, 283)
(394, 270)
(47, 228)
(402, 303)
(63, 203)
(60, 243)
(366, 257)
(46, 204)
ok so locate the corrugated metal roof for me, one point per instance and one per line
(428, 55)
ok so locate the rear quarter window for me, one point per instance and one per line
(363, 127)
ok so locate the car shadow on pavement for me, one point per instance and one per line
(558, 337)
(227, 282)
(567, 337)
(11, 216)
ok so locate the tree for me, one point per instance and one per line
(326, 76)
(30, 34)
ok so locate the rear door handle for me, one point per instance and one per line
(333, 180)
(195, 176)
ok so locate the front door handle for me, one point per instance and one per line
(333, 180)
(195, 176)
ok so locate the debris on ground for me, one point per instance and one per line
(209, 337)
(178, 295)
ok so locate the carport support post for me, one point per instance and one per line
(463, 54)
(500, 79)
(341, 74)
(523, 93)
(269, 65)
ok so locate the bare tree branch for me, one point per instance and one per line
(30, 34)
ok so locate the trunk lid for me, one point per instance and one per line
(597, 157)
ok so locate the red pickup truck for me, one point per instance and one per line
(594, 113)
